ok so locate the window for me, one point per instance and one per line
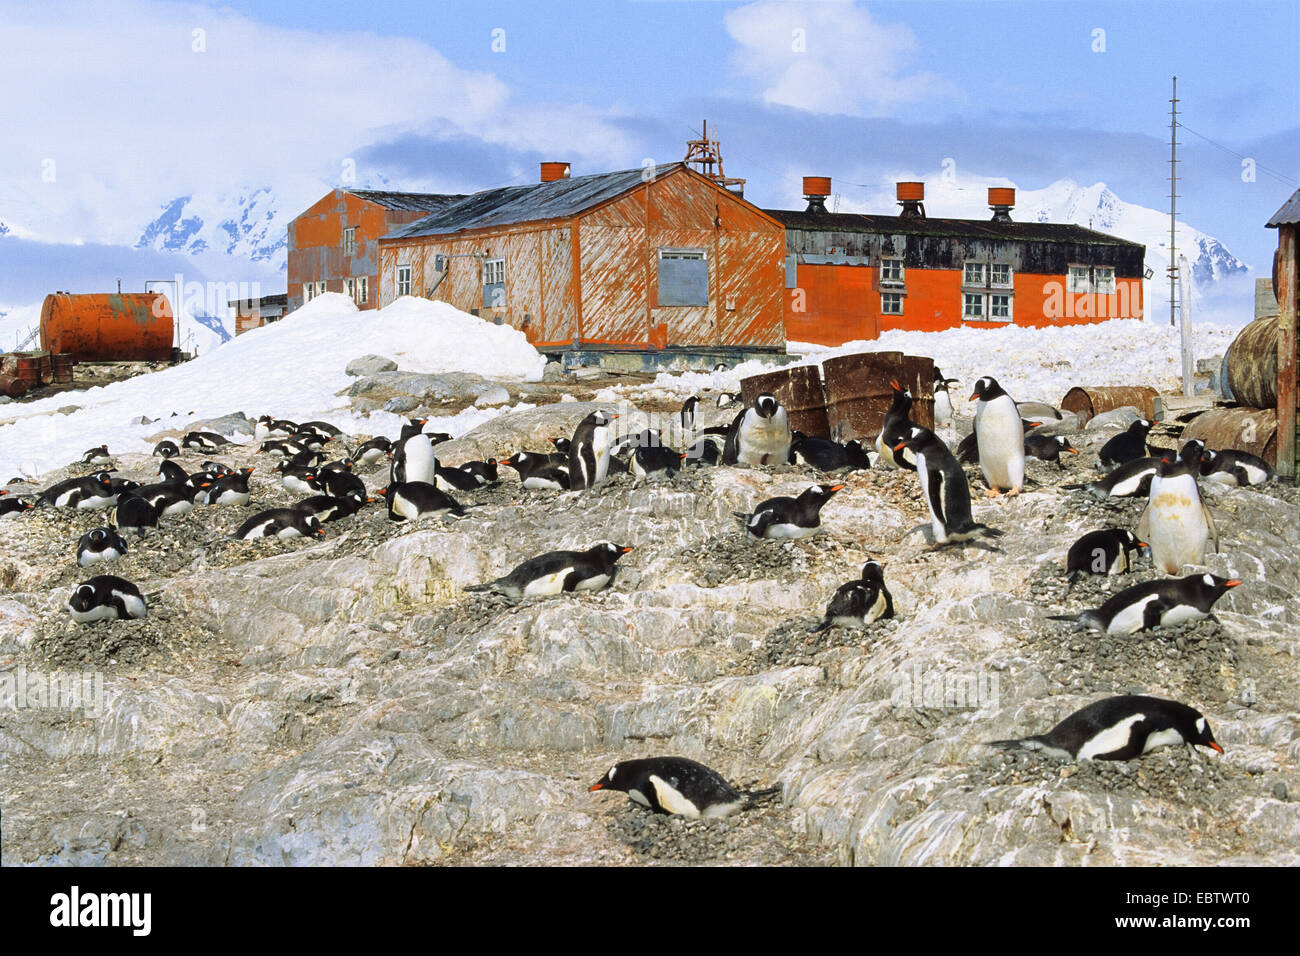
(308, 291)
(403, 280)
(972, 306)
(350, 287)
(973, 274)
(1104, 280)
(363, 290)
(320, 287)
(1000, 307)
(1000, 274)
(683, 277)
(891, 303)
(1078, 280)
(494, 283)
(349, 241)
(891, 270)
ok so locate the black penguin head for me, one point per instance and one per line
(987, 389)
(612, 781)
(561, 445)
(1131, 541)
(1172, 469)
(1065, 445)
(766, 405)
(83, 598)
(911, 438)
(873, 572)
(104, 479)
(1212, 585)
(1200, 734)
(824, 492)
(615, 551)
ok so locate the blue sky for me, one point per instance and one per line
(415, 95)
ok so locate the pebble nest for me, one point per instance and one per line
(796, 642)
(671, 839)
(161, 638)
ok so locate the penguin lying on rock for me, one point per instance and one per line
(1164, 603)
(859, 603)
(789, 518)
(681, 786)
(559, 572)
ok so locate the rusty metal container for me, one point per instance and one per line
(799, 389)
(29, 367)
(1088, 401)
(1252, 364)
(1252, 430)
(111, 327)
(61, 365)
(858, 392)
(1001, 196)
(816, 186)
(13, 387)
(910, 192)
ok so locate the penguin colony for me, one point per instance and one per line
(1175, 527)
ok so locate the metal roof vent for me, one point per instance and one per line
(553, 171)
(815, 190)
(1001, 201)
(910, 197)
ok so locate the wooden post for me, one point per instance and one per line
(1288, 292)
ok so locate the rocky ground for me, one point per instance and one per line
(344, 701)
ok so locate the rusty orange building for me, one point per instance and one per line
(851, 276)
(333, 246)
(655, 258)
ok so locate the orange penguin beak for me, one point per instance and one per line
(894, 385)
(837, 487)
(1235, 582)
(899, 446)
(594, 787)
(1216, 746)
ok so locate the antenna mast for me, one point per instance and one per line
(704, 154)
(1173, 203)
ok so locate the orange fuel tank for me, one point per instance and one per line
(108, 327)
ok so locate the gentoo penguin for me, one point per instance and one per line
(1107, 551)
(706, 450)
(652, 459)
(537, 472)
(120, 486)
(267, 427)
(166, 449)
(321, 428)
(106, 598)
(859, 603)
(306, 459)
(677, 785)
(1128, 445)
(942, 400)
(690, 414)
(13, 504)
(453, 479)
(894, 429)
(301, 480)
(760, 435)
(561, 454)
(312, 441)
(1048, 448)
(1120, 728)
(169, 499)
(727, 399)
(279, 523)
(97, 456)
(217, 469)
(204, 441)
(90, 492)
(789, 518)
(1176, 524)
(330, 507)
(1001, 435)
(101, 544)
(134, 514)
(856, 456)
(368, 453)
(339, 464)
(559, 572)
(816, 452)
(1126, 481)
(1164, 603)
(411, 499)
(1235, 467)
(172, 472)
(589, 451)
(484, 472)
(283, 448)
(344, 484)
(231, 489)
(946, 491)
(413, 460)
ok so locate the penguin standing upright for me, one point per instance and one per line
(1164, 603)
(589, 451)
(1000, 433)
(942, 400)
(413, 459)
(946, 491)
(1120, 728)
(678, 785)
(894, 429)
(1176, 524)
(760, 435)
(690, 415)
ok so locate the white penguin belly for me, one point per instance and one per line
(548, 584)
(942, 408)
(1176, 527)
(421, 463)
(764, 440)
(1110, 739)
(1001, 437)
(1129, 620)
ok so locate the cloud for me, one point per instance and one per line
(831, 57)
(112, 109)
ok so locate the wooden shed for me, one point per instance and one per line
(1287, 286)
(643, 259)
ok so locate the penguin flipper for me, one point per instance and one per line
(1152, 613)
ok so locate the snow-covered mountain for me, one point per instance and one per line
(250, 224)
(1096, 207)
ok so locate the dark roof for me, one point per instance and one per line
(264, 302)
(961, 228)
(430, 202)
(507, 205)
(1289, 214)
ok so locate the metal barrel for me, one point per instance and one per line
(1089, 401)
(1252, 364)
(1252, 430)
(799, 389)
(12, 386)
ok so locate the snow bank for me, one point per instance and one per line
(290, 369)
(1031, 364)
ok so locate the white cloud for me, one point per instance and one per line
(830, 57)
(133, 107)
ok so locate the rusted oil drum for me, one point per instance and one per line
(1252, 364)
(62, 366)
(13, 387)
(858, 392)
(111, 327)
(1088, 401)
(799, 389)
(1251, 430)
(29, 368)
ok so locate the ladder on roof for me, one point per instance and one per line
(25, 341)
